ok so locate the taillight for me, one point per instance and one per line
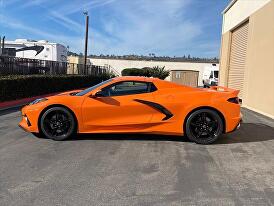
(234, 100)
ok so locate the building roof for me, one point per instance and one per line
(232, 2)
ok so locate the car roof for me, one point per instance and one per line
(158, 82)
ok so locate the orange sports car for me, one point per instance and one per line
(136, 105)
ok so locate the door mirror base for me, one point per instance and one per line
(97, 94)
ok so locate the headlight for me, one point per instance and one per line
(38, 101)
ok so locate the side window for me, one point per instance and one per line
(128, 88)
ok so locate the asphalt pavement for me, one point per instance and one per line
(137, 169)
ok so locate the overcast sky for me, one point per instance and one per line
(163, 27)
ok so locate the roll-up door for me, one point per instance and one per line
(237, 62)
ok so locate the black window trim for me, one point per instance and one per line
(115, 83)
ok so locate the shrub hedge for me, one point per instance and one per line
(157, 72)
(18, 87)
(133, 72)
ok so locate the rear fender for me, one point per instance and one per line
(225, 90)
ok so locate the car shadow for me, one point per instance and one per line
(249, 132)
(127, 137)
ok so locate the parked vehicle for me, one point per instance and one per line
(136, 105)
(211, 76)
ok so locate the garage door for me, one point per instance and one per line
(185, 77)
(238, 58)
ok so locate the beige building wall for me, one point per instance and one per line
(75, 64)
(119, 65)
(75, 60)
(224, 59)
(259, 70)
(239, 10)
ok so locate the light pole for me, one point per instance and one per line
(86, 41)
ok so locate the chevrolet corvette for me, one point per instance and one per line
(136, 105)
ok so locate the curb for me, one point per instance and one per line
(21, 102)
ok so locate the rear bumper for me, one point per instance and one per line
(237, 126)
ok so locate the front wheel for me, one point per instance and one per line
(57, 123)
(204, 126)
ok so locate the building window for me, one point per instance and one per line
(178, 75)
(47, 49)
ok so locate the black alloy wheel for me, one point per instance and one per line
(57, 123)
(204, 126)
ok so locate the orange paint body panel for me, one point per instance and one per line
(161, 111)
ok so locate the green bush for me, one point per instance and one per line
(18, 87)
(133, 72)
(157, 72)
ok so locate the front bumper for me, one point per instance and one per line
(29, 120)
(25, 124)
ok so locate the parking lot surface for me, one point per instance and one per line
(137, 169)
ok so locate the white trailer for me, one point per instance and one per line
(32, 49)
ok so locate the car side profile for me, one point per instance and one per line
(136, 105)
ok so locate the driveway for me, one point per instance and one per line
(137, 169)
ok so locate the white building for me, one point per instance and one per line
(188, 73)
(41, 49)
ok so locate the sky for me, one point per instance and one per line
(119, 27)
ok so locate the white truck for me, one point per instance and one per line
(211, 76)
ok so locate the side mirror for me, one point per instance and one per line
(98, 94)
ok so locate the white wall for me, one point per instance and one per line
(119, 65)
(240, 11)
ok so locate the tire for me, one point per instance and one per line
(204, 126)
(57, 123)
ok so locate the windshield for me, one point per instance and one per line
(92, 88)
(216, 74)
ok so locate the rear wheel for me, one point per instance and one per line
(204, 126)
(57, 123)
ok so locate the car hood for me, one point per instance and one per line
(69, 92)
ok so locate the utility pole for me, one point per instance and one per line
(0, 45)
(86, 40)
(3, 45)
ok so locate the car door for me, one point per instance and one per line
(118, 107)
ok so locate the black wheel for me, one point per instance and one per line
(204, 126)
(57, 123)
